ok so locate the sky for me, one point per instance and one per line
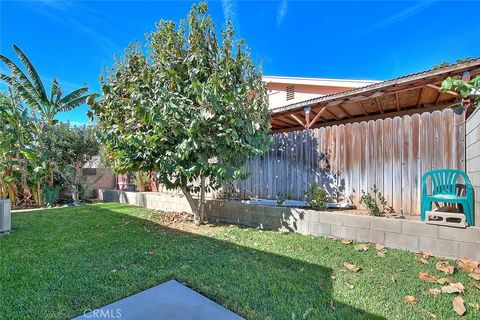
(379, 40)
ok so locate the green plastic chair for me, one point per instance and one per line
(444, 189)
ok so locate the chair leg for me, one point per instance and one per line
(426, 205)
(468, 212)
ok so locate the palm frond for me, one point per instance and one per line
(73, 103)
(18, 73)
(56, 91)
(28, 97)
(6, 78)
(32, 72)
(73, 95)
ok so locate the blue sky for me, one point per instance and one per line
(74, 40)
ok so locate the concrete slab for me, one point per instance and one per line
(168, 301)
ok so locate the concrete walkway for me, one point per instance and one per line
(170, 300)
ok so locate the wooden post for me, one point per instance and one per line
(466, 101)
(307, 117)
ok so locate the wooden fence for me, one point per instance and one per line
(345, 159)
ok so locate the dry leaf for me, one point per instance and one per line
(445, 267)
(379, 246)
(476, 286)
(468, 265)
(361, 247)
(113, 271)
(426, 255)
(453, 288)
(351, 267)
(394, 280)
(458, 285)
(381, 254)
(431, 315)
(410, 299)
(474, 306)
(444, 280)
(434, 291)
(458, 306)
(475, 276)
(424, 276)
(346, 241)
(333, 277)
(422, 260)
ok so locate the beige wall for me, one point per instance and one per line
(102, 179)
(277, 93)
(473, 158)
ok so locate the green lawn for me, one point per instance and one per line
(59, 262)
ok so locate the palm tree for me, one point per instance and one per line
(32, 90)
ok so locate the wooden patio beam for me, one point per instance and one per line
(363, 108)
(379, 105)
(453, 93)
(298, 120)
(345, 111)
(331, 113)
(396, 102)
(317, 116)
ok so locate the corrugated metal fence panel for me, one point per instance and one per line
(345, 159)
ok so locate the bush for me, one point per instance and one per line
(50, 195)
(317, 198)
(282, 197)
(376, 203)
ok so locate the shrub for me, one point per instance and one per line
(375, 203)
(50, 195)
(282, 197)
(317, 198)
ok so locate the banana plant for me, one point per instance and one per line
(31, 89)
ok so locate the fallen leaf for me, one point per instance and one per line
(458, 285)
(361, 247)
(394, 280)
(351, 267)
(333, 277)
(445, 267)
(381, 254)
(434, 291)
(426, 255)
(113, 271)
(424, 276)
(458, 306)
(476, 286)
(346, 241)
(379, 246)
(422, 260)
(474, 306)
(431, 315)
(475, 276)
(444, 280)
(410, 299)
(453, 288)
(468, 265)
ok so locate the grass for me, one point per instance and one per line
(59, 262)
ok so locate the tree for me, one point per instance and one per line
(468, 90)
(69, 148)
(193, 109)
(32, 91)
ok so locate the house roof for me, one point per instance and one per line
(345, 83)
(405, 93)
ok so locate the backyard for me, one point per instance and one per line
(57, 263)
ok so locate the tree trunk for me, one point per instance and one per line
(141, 187)
(193, 205)
(75, 193)
(202, 199)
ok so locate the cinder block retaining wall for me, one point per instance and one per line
(394, 233)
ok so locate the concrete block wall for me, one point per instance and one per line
(472, 145)
(394, 233)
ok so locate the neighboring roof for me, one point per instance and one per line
(345, 83)
(384, 86)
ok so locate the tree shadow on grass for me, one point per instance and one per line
(114, 254)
